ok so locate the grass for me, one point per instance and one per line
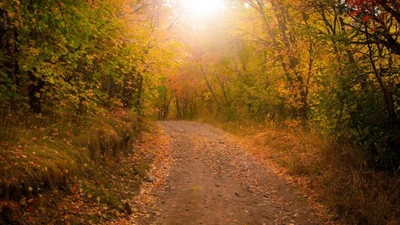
(357, 194)
(334, 175)
(87, 164)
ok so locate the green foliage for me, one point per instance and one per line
(328, 67)
(324, 67)
(78, 57)
(75, 76)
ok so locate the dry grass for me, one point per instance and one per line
(335, 176)
(356, 194)
(45, 162)
(47, 154)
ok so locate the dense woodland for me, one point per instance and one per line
(326, 67)
(330, 67)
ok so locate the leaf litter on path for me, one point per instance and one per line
(205, 177)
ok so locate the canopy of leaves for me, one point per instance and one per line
(330, 67)
(75, 57)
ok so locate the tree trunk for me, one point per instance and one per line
(35, 92)
(138, 103)
(388, 97)
(212, 93)
(178, 108)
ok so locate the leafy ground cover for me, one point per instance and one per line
(81, 172)
(214, 181)
(54, 176)
(336, 179)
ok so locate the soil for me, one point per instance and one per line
(214, 181)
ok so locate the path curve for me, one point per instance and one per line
(214, 181)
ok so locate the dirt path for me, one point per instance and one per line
(214, 182)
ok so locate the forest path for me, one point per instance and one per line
(213, 181)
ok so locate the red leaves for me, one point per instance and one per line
(362, 6)
(366, 8)
(362, 3)
(353, 13)
(75, 191)
(73, 188)
(366, 18)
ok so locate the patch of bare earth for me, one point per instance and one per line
(213, 181)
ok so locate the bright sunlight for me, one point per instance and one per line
(202, 7)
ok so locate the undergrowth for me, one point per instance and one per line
(336, 175)
(61, 171)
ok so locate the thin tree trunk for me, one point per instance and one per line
(138, 103)
(212, 93)
(388, 97)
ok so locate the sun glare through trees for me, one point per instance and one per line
(202, 8)
(81, 80)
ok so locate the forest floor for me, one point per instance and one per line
(208, 178)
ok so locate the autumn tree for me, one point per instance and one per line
(57, 56)
(330, 66)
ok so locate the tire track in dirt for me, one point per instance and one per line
(214, 181)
